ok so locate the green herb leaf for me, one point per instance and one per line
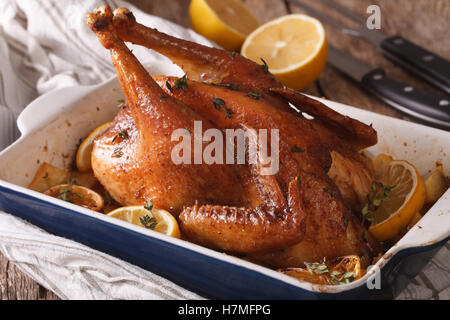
(297, 149)
(335, 281)
(149, 206)
(380, 193)
(218, 103)
(265, 67)
(117, 153)
(335, 273)
(72, 181)
(121, 101)
(122, 135)
(254, 95)
(181, 83)
(232, 86)
(228, 113)
(148, 222)
(349, 275)
(316, 267)
(63, 194)
(328, 191)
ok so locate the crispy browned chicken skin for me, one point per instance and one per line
(228, 207)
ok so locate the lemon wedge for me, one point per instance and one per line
(83, 157)
(154, 219)
(406, 197)
(226, 22)
(293, 46)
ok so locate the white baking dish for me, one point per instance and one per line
(52, 125)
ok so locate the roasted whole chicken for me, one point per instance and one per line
(301, 213)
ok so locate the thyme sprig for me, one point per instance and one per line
(297, 149)
(66, 192)
(337, 279)
(380, 193)
(117, 153)
(182, 83)
(336, 276)
(232, 86)
(254, 95)
(317, 267)
(73, 181)
(123, 134)
(265, 67)
(148, 222)
(228, 112)
(149, 206)
(219, 104)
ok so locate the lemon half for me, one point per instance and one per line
(293, 46)
(83, 157)
(226, 22)
(155, 219)
(405, 199)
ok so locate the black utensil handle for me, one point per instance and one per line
(419, 103)
(418, 60)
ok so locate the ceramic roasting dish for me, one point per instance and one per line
(51, 127)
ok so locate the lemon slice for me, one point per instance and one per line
(154, 219)
(78, 195)
(293, 46)
(406, 198)
(83, 157)
(226, 22)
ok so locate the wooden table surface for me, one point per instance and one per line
(426, 22)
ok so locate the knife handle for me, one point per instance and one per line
(419, 103)
(418, 60)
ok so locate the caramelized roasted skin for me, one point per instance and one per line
(299, 210)
(217, 66)
(201, 63)
(140, 168)
(354, 132)
(145, 171)
(330, 228)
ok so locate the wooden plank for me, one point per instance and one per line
(15, 285)
(425, 22)
(266, 10)
(174, 10)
